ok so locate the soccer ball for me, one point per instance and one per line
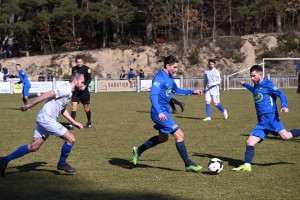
(215, 165)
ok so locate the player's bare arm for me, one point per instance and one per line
(67, 115)
(43, 97)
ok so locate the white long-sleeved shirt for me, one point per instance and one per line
(212, 77)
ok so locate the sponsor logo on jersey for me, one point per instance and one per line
(275, 88)
(169, 92)
(258, 97)
(89, 71)
(156, 84)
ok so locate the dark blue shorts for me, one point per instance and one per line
(267, 123)
(164, 126)
(25, 91)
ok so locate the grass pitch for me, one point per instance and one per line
(102, 154)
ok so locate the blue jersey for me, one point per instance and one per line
(163, 88)
(24, 79)
(265, 94)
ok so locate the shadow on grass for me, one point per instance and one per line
(33, 167)
(197, 118)
(129, 165)
(12, 109)
(235, 162)
(271, 137)
(142, 111)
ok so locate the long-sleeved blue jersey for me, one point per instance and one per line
(24, 79)
(163, 88)
(265, 94)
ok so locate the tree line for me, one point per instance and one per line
(53, 26)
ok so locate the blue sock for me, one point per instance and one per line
(65, 151)
(220, 107)
(152, 142)
(180, 146)
(207, 110)
(21, 151)
(249, 154)
(295, 132)
(32, 96)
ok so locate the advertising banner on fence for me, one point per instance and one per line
(113, 85)
(5, 88)
(36, 87)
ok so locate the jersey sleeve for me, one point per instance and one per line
(88, 76)
(248, 86)
(274, 90)
(178, 91)
(156, 87)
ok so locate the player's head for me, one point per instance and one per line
(18, 67)
(77, 79)
(256, 74)
(170, 63)
(79, 61)
(211, 63)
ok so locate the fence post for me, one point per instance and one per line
(11, 87)
(227, 83)
(224, 83)
(181, 81)
(96, 84)
(138, 84)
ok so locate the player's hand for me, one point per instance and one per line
(162, 116)
(242, 82)
(25, 107)
(285, 110)
(78, 125)
(199, 92)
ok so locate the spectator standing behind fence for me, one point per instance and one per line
(50, 77)
(6, 73)
(17, 49)
(131, 78)
(298, 72)
(122, 75)
(41, 78)
(142, 74)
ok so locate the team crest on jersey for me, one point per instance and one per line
(258, 97)
(156, 84)
(89, 71)
(169, 92)
(275, 88)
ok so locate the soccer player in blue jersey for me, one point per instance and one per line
(26, 85)
(163, 86)
(265, 94)
(46, 124)
(212, 81)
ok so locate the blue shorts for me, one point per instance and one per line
(267, 123)
(164, 126)
(25, 91)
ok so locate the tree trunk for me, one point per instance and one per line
(278, 23)
(149, 39)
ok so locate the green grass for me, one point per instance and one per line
(102, 154)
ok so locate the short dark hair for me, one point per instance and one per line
(212, 60)
(256, 68)
(170, 60)
(78, 57)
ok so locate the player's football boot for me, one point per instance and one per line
(174, 112)
(225, 114)
(2, 167)
(70, 126)
(88, 125)
(66, 167)
(193, 167)
(135, 155)
(207, 119)
(242, 168)
(182, 106)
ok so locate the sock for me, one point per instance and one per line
(172, 104)
(73, 114)
(295, 132)
(152, 142)
(180, 146)
(65, 151)
(220, 107)
(207, 110)
(32, 96)
(88, 115)
(24, 101)
(249, 154)
(176, 102)
(21, 151)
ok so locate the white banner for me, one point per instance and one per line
(40, 87)
(5, 88)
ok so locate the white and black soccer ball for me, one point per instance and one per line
(215, 165)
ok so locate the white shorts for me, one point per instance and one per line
(214, 98)
(46, 126)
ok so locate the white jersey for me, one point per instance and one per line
(53, 107)
(212, 76)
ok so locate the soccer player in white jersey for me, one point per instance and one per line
(46, 124)
(212, 80)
